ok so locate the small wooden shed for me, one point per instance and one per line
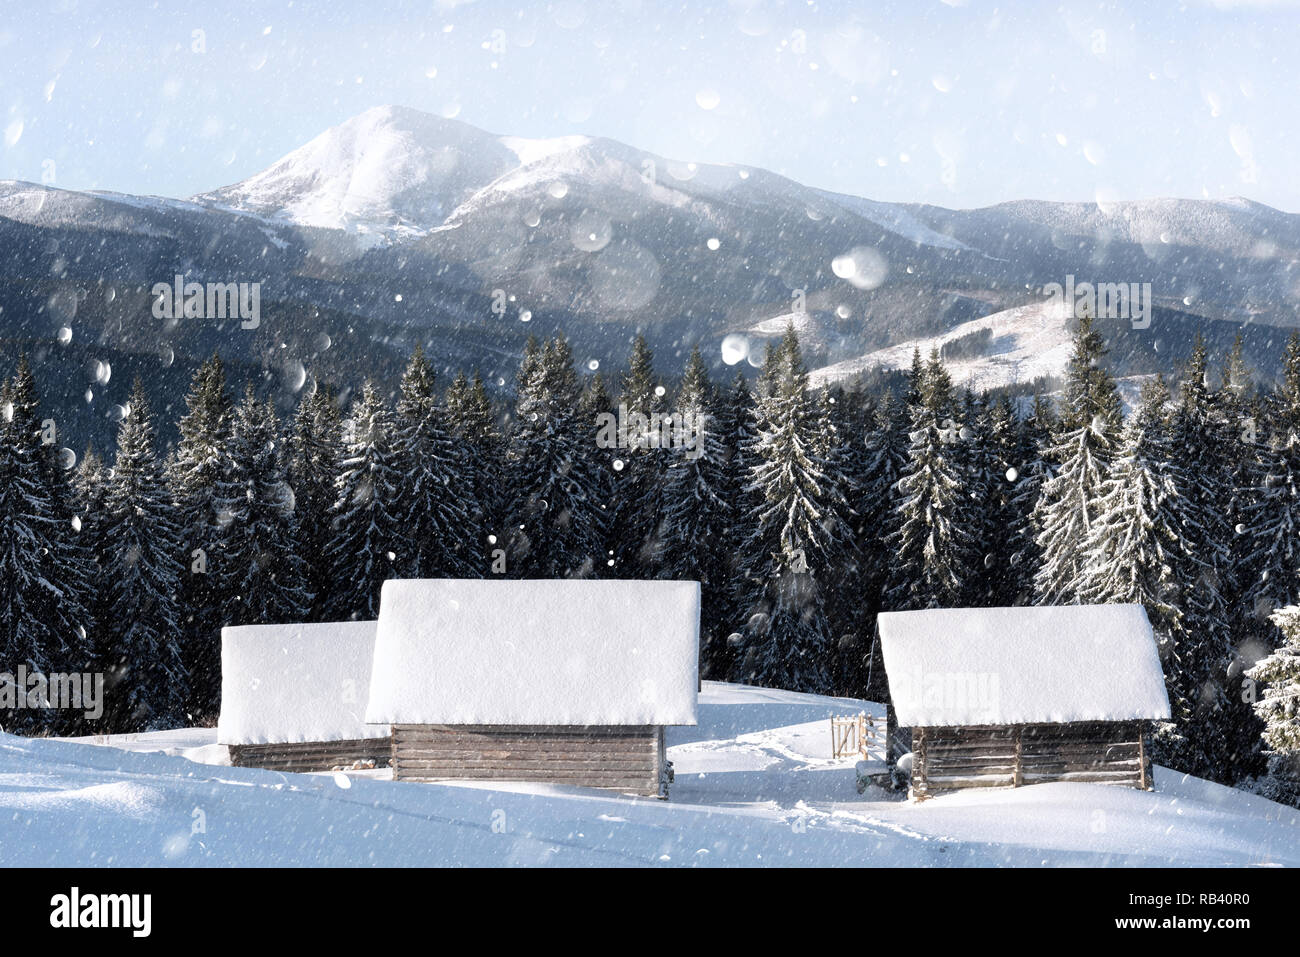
(567, 682)
(1011, 696)
(293, 697)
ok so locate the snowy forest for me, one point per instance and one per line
(807, 512)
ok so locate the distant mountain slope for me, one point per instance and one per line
(398, 227)
(1012, 347)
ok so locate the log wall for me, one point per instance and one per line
(623, 758)
(951, 758)
(302, 756)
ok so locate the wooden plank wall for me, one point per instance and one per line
(302, 756)
(1012, 755)
(620, 757)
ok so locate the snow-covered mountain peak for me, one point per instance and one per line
(390, 167)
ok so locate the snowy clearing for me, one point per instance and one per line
(755, 786)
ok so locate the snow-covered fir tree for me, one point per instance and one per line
(1028, 470)
(1083, 447)
(1278, 707)
(435, 491)
(147, 684)
(266, 575)
(199, 471)
(472, 421)
(90, 483)
(698, 516)
(799, 533)
(311, 462)
(999, 433)
(556, 523)
(1222, 733)
(365, 515)
(44, 568)
(983, 483)
(738, 433)
(887, 447)
(935, 557)
(1134, 554)
(594, 402)
(844, 418)
(635, 532)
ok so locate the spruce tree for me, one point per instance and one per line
(434, 486)
(738, 432)
(267, 576)
(472, 421)
(557, 526)
(1135, 554)
(147, 688)
(935, 556)
(1029, 469)
(799, 534)
(365, 515)
(199, 472)
(698, 516)
(1278, 708)
(311, 466)
(1083, 446)
(879, 517)
(44, 569)
(635, 526)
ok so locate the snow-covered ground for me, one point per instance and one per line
(755, 786)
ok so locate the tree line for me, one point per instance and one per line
(808, 512)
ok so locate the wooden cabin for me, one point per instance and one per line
(557, 681)
(1001, 697)
(293, 697)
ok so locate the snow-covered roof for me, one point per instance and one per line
(453, 651)
(293, 683)
(981, 666)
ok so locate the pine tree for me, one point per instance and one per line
(365, 514)
(799, 534)
(147, 688)
(434, 487)
(1084, 445)
(44, 569)
(267, 575)
(1278, 708)
(698, 517)
(311, 465)
(557, 526)
(199, 472)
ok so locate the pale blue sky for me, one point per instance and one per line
(959, 105)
